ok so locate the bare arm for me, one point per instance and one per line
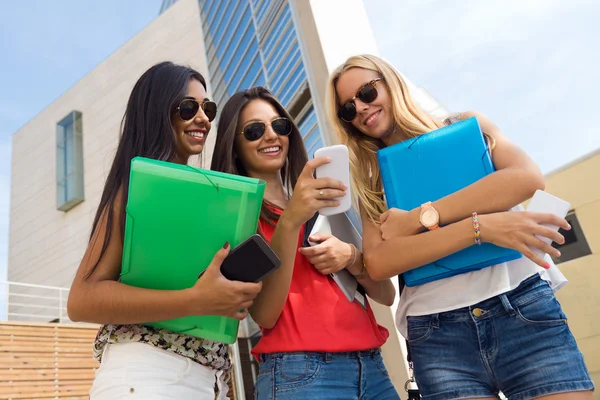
(99, 298)
(403, 251)
(388, 258)
(382, 291)
(515, 180)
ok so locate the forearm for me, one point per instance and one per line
(269, 303)
(111, 302)
(383, 292)
(497, 192)
(400, 254)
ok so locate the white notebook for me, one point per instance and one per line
(340, 226)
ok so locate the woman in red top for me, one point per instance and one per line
(316, 344)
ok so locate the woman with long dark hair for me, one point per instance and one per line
(316, 344)
(168, 117)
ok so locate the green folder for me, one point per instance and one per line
(178, 217)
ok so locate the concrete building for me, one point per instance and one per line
(62, 156)
(580, 255)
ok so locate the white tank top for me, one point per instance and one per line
(471, 288)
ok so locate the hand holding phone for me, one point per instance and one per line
(544, 202)
(339, 169)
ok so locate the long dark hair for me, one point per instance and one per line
(147, 132)
(224, 159)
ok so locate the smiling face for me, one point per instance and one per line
(190, 135)
(374, 119)
(266, 155)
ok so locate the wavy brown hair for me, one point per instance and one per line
(224, 159)
(409, 119)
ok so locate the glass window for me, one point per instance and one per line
(243, 28)
(245, 59)
(69, 161)
(277, 32)
(290, 61)
(216, 16)
(279, 52)
(225, 21)
(292, 85)
(242, 48)
(236, 21)
(575, 245)
(260, 12)
(251, 75)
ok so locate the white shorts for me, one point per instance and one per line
(142, 371)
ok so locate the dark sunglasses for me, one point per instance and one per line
(255, 130)
(367, 94)
(188, 108)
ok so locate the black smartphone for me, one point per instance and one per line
(250, 261)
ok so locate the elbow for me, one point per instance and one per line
(388, 300)
(530, 180)
(264, 321)
(379, 267)
(74, 310)
(267, 324)
(375, 267)
(534, 181)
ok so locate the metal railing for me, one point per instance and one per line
(33, 303)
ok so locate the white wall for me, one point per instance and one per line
(46, 245)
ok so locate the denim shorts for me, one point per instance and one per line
(324, 376)
(517, 343)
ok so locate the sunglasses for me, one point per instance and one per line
(255, 130)
(188, 108)
(367, 94)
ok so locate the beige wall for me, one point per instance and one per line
(579, 184)
(46, 245)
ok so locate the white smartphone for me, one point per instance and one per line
(338, 168)
(544, 202)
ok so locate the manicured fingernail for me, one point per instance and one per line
(557, 253)
(547, 266)
(569, 227)
(226, 245)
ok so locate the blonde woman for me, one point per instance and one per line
(482, 332)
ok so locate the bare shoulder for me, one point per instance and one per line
(487, 125)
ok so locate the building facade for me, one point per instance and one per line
(580, 255)
(62, 156)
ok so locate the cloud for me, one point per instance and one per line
(513, 61)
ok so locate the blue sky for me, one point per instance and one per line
(46, 47)
(529, 65)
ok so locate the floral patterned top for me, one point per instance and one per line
(212, 354)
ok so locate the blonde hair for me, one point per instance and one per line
(409, 119)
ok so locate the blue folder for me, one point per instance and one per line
(430, 167)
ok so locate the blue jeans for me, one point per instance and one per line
(354, 375)
(518, 343)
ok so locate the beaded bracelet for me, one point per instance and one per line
(476, 228)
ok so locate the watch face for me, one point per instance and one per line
(429, 218)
